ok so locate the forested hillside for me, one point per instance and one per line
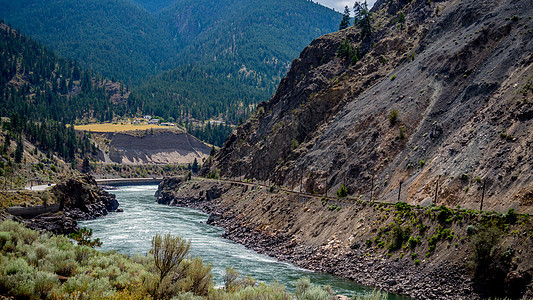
(112, 37)
(40, 93)
(37, 84)
(220, 57)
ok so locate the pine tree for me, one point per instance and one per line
(19, 152)
(195, 166)
(363, 19)
(345, 23)
(86, 166)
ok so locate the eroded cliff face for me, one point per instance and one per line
(457, 73)
(164, 147)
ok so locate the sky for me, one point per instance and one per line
(339, 5)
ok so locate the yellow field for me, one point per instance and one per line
(108, 127)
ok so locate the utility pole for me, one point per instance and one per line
(436, 191)
(301, 180)
(482, 197)
(400, 191)
(327, 176)
(372, 187)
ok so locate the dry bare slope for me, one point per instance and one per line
(159, 147)
(458, 76)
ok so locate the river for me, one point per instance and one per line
(131, 232)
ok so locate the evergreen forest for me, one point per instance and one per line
(181, 60)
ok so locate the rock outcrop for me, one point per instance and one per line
(200, 196)
(79, 198)
(82, 199)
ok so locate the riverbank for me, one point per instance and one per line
(421, 252)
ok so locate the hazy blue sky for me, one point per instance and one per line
(339, 5)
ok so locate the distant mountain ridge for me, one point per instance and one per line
(209, 48)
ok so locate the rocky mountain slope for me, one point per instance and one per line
(435, 107)
(443, 98)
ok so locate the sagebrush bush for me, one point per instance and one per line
(262, 291)
(376, 295)
(197, 277)
(4, 238)
(44, 283)
(305, 290)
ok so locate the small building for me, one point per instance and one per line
(148, 117)
(153, 121)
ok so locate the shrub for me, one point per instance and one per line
(66, 268)
(315, 293)
(334, 207)
(414, 241)
(402, 207)
(294, 144)
(83, 237)
(401, 18)
(44, 283)
(196, 277)
(305, 290)
(16, 277)
(5, 237)
(444, 214)
(376, 295)
(168, 253)
(214, 174)
(399, 235)
(510, 217)
(483, 245)
(417, 262)
(82, 254)
(393, 117)
(230, 279)
(471, 230)
(302, 285)
(422, 163)
(263, 291)
(342, 191)
(402, 131)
